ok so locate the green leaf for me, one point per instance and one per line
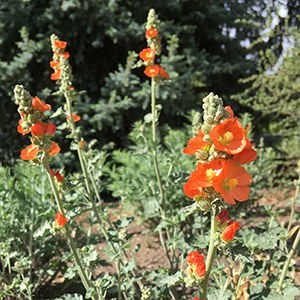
(148, 118)
(171, 280)
(290, 293)
(240, 252)
(43, 230)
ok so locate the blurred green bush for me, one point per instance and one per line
(203, 52)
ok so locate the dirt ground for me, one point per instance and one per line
(151, 255)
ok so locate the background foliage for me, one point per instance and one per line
(204, 50)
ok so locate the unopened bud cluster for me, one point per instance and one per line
(221, 147)
(148, 55)
(214, 113)
(32, 113)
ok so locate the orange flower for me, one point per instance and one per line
(151, 33)
(232, 183)
(29, 153)
(21, 129)
(54, 64)
(66, 55)
(204, 175)
(55, 75)
(194, 257)
(200, 270)
(147, 54)
(82, 144)
(39, 129)
(229, 136)
(152, 71)
(229, 231)
(163, 73)
(39, 105)
(54, 149)
(60, 219)
(247, 155)
(196, 263)
(50, 129)
(192, 190)
(59, 177)
(196, 298)
(194, 144)
(60, 44)
(75, 118)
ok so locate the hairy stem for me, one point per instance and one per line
(240, 272)
(84, 277)
(210, 256)
(154, 141)
(88, 176)
(293, 208)
(157, 173)
(288, 260)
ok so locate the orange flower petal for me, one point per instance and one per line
(54, 64)
(54, 149)
(29, 153)
(66, 55)
(20, 128)
(60, 44)
(152, 71)
(75, 118)
(147, 54)
(60, 219)
(55, 75)
(232, 183)
(229, 136)
(151, 33)
(194, 144)
(39, 105)
(229, 231)
(163, 73)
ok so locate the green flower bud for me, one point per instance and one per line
(203, 204)
(201, 155)
(206, 138)
(206, 128)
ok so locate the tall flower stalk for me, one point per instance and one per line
(40, 151)
(221, 147)
(61, 66)
(158, 75)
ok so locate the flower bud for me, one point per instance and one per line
(206, 128)
(201, 155)
(203, 203)
(206, 138)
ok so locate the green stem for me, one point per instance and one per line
(157, 173)
(85, 280)
(240, 272)
(119, 280)
(287, 262)
(154, 141)
(293, 208)
(210, 256)
(88, 176)
(82, 161)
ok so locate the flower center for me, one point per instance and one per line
(210, 174)
(226, 138)
(229, 184)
